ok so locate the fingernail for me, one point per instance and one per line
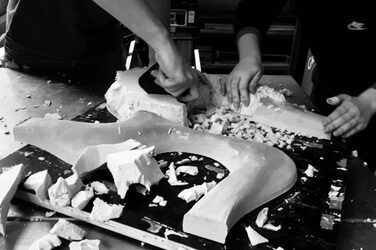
(332, 100)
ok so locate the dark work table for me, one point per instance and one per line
(298, 211)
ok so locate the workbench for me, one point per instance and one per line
(23, 96)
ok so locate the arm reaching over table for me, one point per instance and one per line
(175, 75)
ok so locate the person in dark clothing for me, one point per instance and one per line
(84, 38)
(342, 38)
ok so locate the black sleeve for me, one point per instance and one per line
(256, 16)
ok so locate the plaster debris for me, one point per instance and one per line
(270, 226)
(254, 237)
(99, 187)
(103, 211)
(47, 242)
(82, 198)
(67, 230)
(310, 171)
(41, 158)
(169, 232)
(190, 170)
(194, 193)
(262, 217)
(85, 245)
(172, 177)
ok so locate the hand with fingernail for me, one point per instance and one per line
(351, 115)
(242, 81)
(175, 76)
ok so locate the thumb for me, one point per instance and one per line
(333, 100)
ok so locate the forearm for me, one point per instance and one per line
(248, 46)
(137, 16)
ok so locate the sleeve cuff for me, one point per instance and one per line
(255, 31)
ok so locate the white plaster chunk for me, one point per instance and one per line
(99, 187)
(82, 198)
(67, 230)
(95, 156)
(74, 183)
(262, 217)
(191, 170)
(270, 226)
(59, 193)
(125, 97)
(310, 171)
(103, 211)
(254, 237)
(194, 193)
(9, 182)
(172, 177)
(85, 245)
(39, 183)
(47, 242)
(134, 166)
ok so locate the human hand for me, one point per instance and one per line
(242, 80)
(350, 117)
(175, 76)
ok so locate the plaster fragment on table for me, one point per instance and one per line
(262, 217)
(103, 211)
(85, 245)
(41, 158)
(327, 221)
(194, 193)
(99, 187)
(55, 116)
(163, 203)
(270, 226)
(184, 161)
(47, 242)
(97, 122)
(39, 182)
(82, 198)
(136, 166)
(74, 183)
(158, 199)
(162, 163)
(27, 154)
(169, 232)
(172, 177)
(190, 170)
(60, 193)
(220, 176)
(254, 237)
(49, 214)
(354, 154)
(303, 179)
(310, 171)
(67, 230)
(278, 248)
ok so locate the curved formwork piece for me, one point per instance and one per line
(258, 172)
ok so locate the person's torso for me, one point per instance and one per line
(68, 30)
(342, 37)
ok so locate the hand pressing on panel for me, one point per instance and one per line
(352, 114)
